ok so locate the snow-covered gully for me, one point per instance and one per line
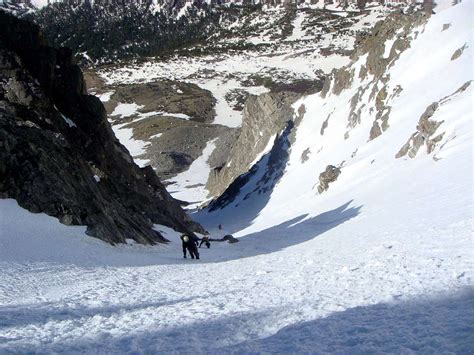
(380, 262)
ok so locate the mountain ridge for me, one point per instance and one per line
(61, 156)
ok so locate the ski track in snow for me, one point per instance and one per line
(385, 266)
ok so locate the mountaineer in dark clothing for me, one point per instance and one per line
(190, 244)
(205, 240)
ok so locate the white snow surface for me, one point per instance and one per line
(39, 3)
(190, 185)
(381, 262)
(135, 147)
(298, 32)
(125, 109)
(105, 97)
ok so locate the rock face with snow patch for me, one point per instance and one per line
(179, 143)
(166, 96)
(265, 173)
(381, 49)
(58, 153)
(426, 131)
(264, 116)
(173, 120)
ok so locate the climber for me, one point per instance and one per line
(190, 244)
(205, 240)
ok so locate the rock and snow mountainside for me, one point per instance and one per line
(395, 125)
(108, 32)
(59, 155)
(379, 259)
(255, 67)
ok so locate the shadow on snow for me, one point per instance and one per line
(443, 325)
(249, 193)
(423, 326)
(289, 233)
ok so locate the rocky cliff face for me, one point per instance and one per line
(58, 153)
(172, 120)
(268, 114)
(264, 117)
(378, 51)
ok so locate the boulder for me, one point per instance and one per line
(230, 239)
(328, 176)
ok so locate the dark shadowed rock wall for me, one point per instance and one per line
(58, 154)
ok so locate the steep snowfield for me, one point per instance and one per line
(382, 261)
(371, 176)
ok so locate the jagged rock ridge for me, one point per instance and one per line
(107, 31)
(58, 153)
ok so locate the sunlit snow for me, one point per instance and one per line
(381, 262)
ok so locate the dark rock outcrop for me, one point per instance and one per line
(58, 154)
(230, 239)
(427, 127)
(326, 177)
(458, 52)
(166, 96)
(174, 118)
(180, 143)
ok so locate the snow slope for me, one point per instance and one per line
(381, 262)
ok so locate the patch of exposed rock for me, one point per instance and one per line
(426, 129)
(166, 96)
(264, 117)
(272, 164)
(458, 52)
(395, 30)
(328, 176)
(305, 155)
(396, 26)
(58, 154)
(174, 143)
(230, 239)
